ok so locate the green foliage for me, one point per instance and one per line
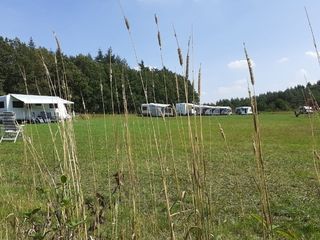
(289, 99)
(85, 76)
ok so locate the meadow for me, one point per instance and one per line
(155, 178)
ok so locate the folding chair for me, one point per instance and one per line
(11, 129)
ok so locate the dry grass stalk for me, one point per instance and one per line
(230, 160)
(135, 52)
(186, 77)
(71, 166)
(64, 82)
(249, 62)
(159, 36)
(315, 154)
(187, 62)
(127, 23)
(180, 56)
(199, 82)
(52, 88)
(110, 80)
(177, 87)
(316, 158)
(313, 36)
(169, 143)
(263, 189)
(197, 174)
(132, 174)
(161, 55)
(179, 49)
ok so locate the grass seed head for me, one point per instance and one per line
(222, 132)
(249, 64)
(156, 19)
(187, 66)
(180, 56)
(127, 23)
(199, 82)
(159, 39)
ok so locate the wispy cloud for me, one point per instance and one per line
(239, 64)
(238, 88)
(282, 60)
(311, 54)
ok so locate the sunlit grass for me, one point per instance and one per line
(289, 170)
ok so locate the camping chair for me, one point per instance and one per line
(10, 126)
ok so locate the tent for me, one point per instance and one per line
(31, 107)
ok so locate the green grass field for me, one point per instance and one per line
(232, 197)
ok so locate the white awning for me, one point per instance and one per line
(160, 104)
(38, 99)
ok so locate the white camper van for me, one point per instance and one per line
(186, 109)
(218, 110)
(156, 110)
(303, 110)
(31, 107)
(201, 109)
(244, 110)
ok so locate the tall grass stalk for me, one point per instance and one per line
(159, 147)
(257, 147)
(169, 129)
(197, 170)
(316, 154)
(231, 161)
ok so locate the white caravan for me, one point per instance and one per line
(218, 110)
(186, 109)
(156, 110)
(201, 109)
(303, 110)
(32, 107)
(244, 110)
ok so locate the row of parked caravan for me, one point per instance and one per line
(184, 109)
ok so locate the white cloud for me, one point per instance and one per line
(238, 88)
(311, 54)
(283, 60)
(299, 78)
(239, 64)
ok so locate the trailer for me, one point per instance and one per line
(32, 107)
(201, 109)
(304, 110)
(156, 110)
(186, 109)
(243, 110)
(218, 110)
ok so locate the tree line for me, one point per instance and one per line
(286, 100)
(95, 84)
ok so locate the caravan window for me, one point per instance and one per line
(17, 104)
(1, 104)
(53, 105)
(144, 108)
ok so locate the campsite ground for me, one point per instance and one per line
(102, 151)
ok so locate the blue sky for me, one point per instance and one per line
(276, 34)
